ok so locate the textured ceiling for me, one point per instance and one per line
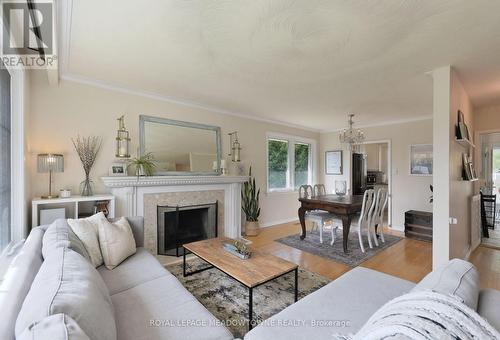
(303, 62)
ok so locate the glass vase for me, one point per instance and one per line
(87, 187)
(340, 188)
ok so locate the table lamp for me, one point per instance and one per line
(50, 162)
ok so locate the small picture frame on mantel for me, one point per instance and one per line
(118, 169)
(333, 162)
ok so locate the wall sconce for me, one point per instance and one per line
(122, 140)
(234, 146)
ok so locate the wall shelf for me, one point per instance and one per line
(470, 180)
(464, 142)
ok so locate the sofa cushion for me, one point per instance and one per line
(340, 307)
(164, 309)
(67, 283)
(54, 327)
(489, 306)
(17, 281)
(116, 241)
(87, 231)
(60, 235)
(137, 225)
(456, 277)
(138, 268)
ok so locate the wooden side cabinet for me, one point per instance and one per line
(418, 225)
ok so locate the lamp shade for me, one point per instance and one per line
(48, 162)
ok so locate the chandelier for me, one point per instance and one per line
(350, 136)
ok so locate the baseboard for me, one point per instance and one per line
(287, 220)
(397, 228)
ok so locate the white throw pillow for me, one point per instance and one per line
(117, 241)
(87, 231)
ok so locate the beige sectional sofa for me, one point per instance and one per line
(55, 293)
(52, 292)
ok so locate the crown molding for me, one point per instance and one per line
(384, 123)
(152, 95)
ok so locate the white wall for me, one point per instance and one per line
(451, 194)
(460, 191)
(408, 192)
(60, 113)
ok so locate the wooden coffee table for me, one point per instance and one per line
(258, 269)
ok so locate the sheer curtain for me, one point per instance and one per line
(5, 159)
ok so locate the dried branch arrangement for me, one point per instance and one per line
(87, 149)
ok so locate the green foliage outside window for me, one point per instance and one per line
(278, 163)
(301, 164)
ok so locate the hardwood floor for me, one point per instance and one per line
(487, 261)
(408, 259)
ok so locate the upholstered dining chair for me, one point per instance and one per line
(319, 218)
(381, 198)
(365, 218)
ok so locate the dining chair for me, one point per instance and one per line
(365, 218)
(319, 218)
(319, 190)
(377, 221)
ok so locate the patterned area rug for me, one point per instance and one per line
(227, 299)
(335, 252)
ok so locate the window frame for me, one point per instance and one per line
(290, 172)
(19, 227)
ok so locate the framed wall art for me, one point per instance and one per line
(421, 159)
(333, 162)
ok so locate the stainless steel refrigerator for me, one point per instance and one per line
(358, 171)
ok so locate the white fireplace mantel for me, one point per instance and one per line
(129, 194)
(146, 181)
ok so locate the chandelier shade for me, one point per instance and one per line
(351, 136)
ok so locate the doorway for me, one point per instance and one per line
(490, 185)
(376, 167)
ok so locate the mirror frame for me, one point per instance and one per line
(150, 119)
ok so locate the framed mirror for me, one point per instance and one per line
(180, 148)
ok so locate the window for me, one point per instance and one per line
(289, 162)
(5, 160)
(277, 158)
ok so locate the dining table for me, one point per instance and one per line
(343, 206)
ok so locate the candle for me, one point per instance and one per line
(122, 151)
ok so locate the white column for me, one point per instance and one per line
(232, 211)
(124, 201)
(441, 166)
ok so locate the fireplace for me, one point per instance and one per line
(178, 225)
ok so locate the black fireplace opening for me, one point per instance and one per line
(178, 225)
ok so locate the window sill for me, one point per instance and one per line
(282, 192)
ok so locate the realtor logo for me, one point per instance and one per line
(27, 34)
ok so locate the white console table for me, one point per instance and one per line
(74, 205)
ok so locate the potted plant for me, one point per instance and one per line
(250, 205)
(144, 165)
